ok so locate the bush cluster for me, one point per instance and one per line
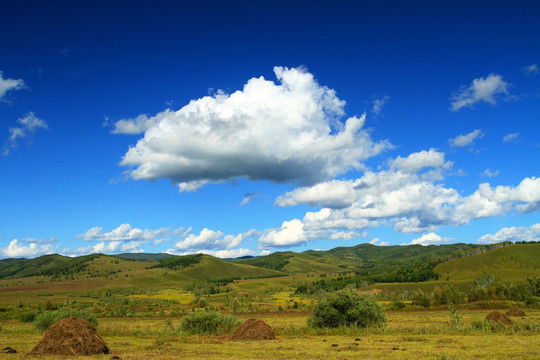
(27, 317)
(447, 295)
(347, 309)
(397, 305)
(208, 322)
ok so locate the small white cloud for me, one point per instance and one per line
(29, 124)
(490, 174)
(7, 85)
(209, 240)
(16, 250)
(520, 233)
(344, 235)
(291, 233)
(467, 139)
(430, 239)
(99, 248)
(481, 90)
(125, 232)
(248, 197)
(224, 254)
(378, 242)
(531, 69)
(379, 104)
(132, 247)
(510, 137)
(139, 124)
(106, 248)
(418, 161)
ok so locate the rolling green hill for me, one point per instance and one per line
(19, 268)
(364, 259)
(371, 256)
(300, 263)
(170, 270)
(211, 267)
(509, 263)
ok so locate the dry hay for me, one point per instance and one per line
(254, 329)
(499, 318)
(71, 336)
(515, 312)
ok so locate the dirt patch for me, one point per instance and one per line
(499, 318)
(370, 292)
(71, 336)
(515, 312)
(254, 329)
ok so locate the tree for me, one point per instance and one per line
(347, 309)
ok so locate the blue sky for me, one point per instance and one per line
(242, 128)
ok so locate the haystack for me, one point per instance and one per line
(515, 312)
(499, 318)
(71, 336)
(254, 329)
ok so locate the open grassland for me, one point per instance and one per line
(408, 335)
(510, 263)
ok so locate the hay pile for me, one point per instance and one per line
(254, 329)
(71, 336)
(515, 312)
(499, 318)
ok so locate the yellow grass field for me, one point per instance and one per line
(408, 335)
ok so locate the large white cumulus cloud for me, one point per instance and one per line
(290, 131)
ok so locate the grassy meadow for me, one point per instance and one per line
(408, 335)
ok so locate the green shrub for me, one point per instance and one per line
(208, 322)
(480, 324)
(532, 300)
(47, 318)
(421, 298)
(347, 309)
(50, 306)
(27, 317)
(456, 321)
(487, 325)
(203, 302)
(397, 305)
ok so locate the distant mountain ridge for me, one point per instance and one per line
(363, 263)
(146, 257)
